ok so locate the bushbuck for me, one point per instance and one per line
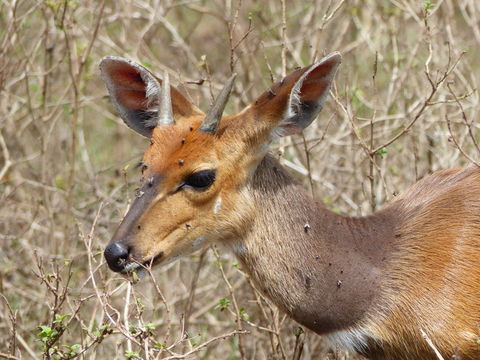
(392, 285)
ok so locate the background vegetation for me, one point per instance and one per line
(404, 104)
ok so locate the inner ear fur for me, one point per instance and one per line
(135, 94)
(292, 103)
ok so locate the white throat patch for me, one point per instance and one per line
(198, 241)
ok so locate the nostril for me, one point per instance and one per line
(116, 255)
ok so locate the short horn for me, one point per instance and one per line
(210, 124)
(165, 115)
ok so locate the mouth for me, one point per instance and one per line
(141, 267)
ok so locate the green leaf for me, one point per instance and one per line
(382, 152)
(46, 333)
(132, 355)
(45, 328)
(134, 330)
(73, 349)
(428, 5)
(134, 276)
(53, 5)
(298, 331)
(243, 313)
(60, 318)
(60, 182)
(223, 304)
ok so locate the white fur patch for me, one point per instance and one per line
(218, 206)
(294, 101)
(152, 91)
(239, 248)
(198, 241)
(293, 107)
(292, 114)
(351, 339)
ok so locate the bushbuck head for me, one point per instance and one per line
(197, 168)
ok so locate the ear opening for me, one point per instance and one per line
(134, 92)
(292, 104)
(136, 95)
(309, 94)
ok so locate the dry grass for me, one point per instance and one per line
(404, 105)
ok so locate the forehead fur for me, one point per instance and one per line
(179, 146)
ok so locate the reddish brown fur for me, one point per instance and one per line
(371, 283)
(434, 279)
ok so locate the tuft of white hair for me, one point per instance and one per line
(353, 339)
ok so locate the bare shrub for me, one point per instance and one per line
(404, 104)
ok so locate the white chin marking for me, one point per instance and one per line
(130, 267)
(218, 206)
(133, 267)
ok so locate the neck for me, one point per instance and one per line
(323, 269)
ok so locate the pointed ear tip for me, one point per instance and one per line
(108, 61)
(104, 62)
(334, 57)
(336, 54)
(111, 60)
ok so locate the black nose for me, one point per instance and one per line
(116, 255)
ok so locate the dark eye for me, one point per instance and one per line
(200, 180)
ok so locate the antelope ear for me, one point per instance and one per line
(135, 93)
(291, 104)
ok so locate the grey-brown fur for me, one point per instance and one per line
(325, 276)
(374, 280)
